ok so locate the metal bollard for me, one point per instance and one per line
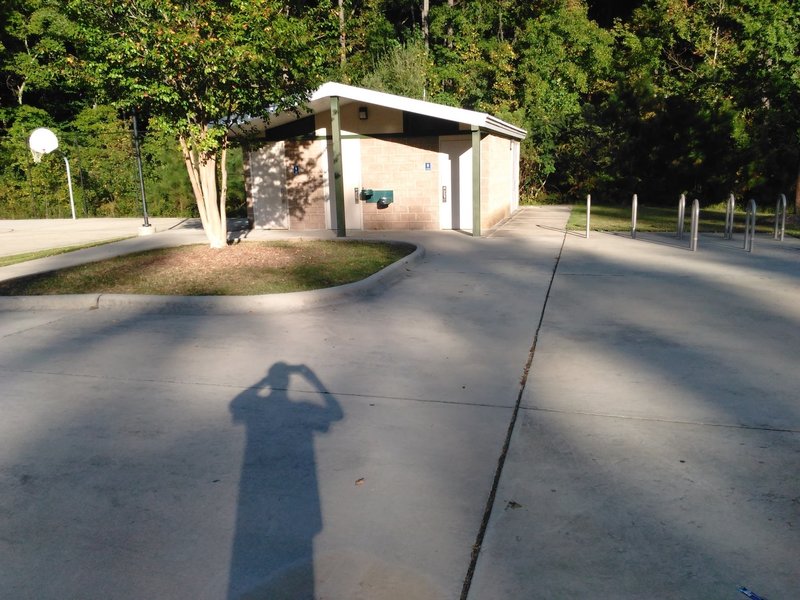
(588, 213)
(780, 218)
(729, 208)
(681, 216)
(634, 212)
(750, 226)
(695, 225)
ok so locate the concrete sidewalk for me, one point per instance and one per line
(349, 451)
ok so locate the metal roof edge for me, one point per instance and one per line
(504, 127)
(432, 109)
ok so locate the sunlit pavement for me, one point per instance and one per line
(657, 449)
(348, 451)
(18, 236)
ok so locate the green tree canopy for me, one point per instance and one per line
(706, 98)
(195, 68)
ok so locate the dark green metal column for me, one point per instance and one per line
(338, 180)
(476, 182)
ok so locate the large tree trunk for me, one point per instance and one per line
(211, 197)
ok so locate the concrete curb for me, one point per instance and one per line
(220, 305)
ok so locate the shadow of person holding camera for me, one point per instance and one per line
(278, 510)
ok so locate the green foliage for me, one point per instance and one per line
(29, 189)
(369, 35)
(167, 188)
(708, 103)
(99, 146)
(535, 64)
(474, 57)
(104, 163)
(565, 60)
(37, 38)
(673, 96)
(197, 66)
(404, 70)
(237, 198)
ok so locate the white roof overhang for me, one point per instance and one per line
(320, 102)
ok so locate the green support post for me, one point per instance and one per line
(338, 180)
(476, 181)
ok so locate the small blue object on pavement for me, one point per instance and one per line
(751, 595)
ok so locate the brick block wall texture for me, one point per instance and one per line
(496, 180)
(398, 164)
(306, 189)
(248, 193)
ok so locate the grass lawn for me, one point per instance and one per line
(26, 256)
(242, 269)
(658, 219)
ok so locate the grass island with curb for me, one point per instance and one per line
(243, 269)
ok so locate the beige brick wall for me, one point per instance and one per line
(248, 188)
(496, 180)
(398, 164)
(306, 189)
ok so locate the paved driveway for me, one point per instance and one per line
(345, 451)
(349, 451)
(657, 449)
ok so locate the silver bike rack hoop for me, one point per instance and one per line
(780, 218)
(695, 224)
(750, 226)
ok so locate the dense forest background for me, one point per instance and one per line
(654, 97)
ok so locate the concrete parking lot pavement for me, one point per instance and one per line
(337, 452)
(18, 236)
(349, 451)
(657, 449)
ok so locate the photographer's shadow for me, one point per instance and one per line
(278, 511)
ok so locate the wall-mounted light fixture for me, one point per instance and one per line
(362, 113)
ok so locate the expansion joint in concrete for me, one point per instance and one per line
(487, 513)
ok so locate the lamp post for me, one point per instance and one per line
(43, 141)
(144, 229)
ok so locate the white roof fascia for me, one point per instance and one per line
(319, 102)
(431, 109)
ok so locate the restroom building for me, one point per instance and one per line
(358, 159)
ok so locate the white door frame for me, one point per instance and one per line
(351, 174)
(455, 173)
